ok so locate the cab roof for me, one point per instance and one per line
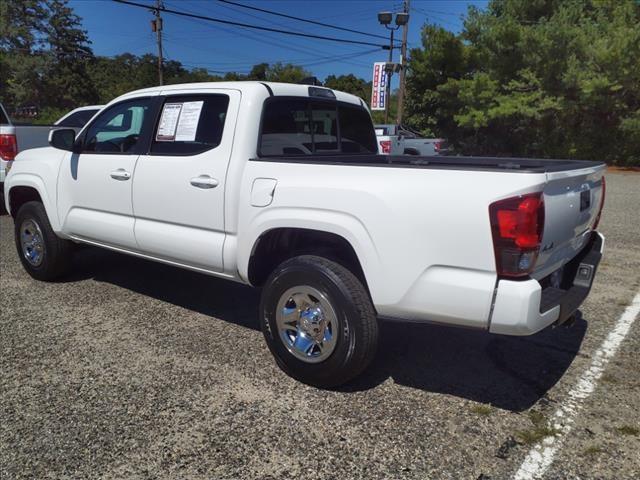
(270, 88)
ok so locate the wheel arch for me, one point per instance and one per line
(279, 244)
(25, 188)
(343, 239)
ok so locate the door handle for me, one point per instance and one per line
(120, 174)
(204, 181)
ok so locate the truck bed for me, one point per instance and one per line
(524, 165)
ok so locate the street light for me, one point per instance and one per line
(385, 19)
(402, 19)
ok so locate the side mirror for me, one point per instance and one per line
(62, 138)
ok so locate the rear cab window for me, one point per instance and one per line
(299, 126)
(189, 124)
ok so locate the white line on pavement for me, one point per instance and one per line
(540, 457)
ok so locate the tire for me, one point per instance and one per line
(326, 303)
(46, 257)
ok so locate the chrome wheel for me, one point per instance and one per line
(307, 324)
(32, 242)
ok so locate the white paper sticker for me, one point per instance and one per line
(168, 122)
(188, 121)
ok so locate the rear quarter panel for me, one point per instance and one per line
(418, 233)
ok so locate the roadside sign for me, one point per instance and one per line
(379, 87)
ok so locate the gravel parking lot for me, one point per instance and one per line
(130, 369)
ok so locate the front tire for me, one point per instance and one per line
(318, 321)
(43, 254)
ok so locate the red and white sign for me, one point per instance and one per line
(379, 88)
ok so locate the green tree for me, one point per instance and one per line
(287, 73)
(350, 84)
(259, 72)
(545, 78)
(22, 27)
(67, 83)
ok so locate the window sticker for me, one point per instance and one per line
(168, 122)
(188, 121)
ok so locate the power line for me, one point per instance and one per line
(273, 22)
(427, 11)
(437, 17)
(247, 25)
(314, 22)
(308, 63)
(296, 61)
(261, 40)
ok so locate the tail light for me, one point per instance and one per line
(8, 146)
(437, 146)
(517, 225)
(385, 146)
(604, 191)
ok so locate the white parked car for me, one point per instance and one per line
(78, 117)
(400, 140)
(281, 187)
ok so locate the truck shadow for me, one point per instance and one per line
(510, 373)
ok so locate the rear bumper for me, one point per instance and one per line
(525, 307)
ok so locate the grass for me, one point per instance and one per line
(539, 431)
(592, 451)
(537, 418)
(628, 430)
(482, 410)
(535, 434)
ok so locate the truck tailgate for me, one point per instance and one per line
(572, 203)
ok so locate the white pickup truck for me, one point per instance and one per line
(281, 187)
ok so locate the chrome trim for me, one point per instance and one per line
(32, 242)
(307, 324)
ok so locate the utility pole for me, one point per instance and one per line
(385, 19)
(156, 26)
(403, 64)
(389, 70)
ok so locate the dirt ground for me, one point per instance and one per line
(130, 369)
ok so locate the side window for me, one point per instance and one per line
(356, 130)
(117, 129)
(285, 128)
(190, 124)
(324, 124)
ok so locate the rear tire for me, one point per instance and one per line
(43, 254)
(318, 321)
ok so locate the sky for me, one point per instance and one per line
(116, 28)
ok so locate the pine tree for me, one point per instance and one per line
(68, 84)
(22, 29)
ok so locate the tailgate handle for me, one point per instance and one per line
(585, 200)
